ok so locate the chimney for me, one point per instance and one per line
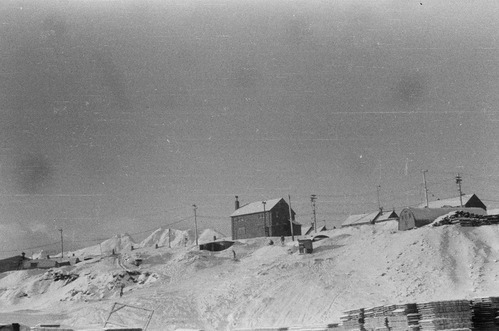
(237, 203)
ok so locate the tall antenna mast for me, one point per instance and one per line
(377, 190)
(458, 182)
(425, 187)
(313, 197)
(62, 245)
(195, 223)
(291, 219)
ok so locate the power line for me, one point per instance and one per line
(176, 222)
(33, 247)
(91, 240)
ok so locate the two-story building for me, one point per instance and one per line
(270, 218)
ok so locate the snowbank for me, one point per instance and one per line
(265, 285)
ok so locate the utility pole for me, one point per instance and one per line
(377, 190)
(313, 197)
(291, 219)
(195, 224)
(458, 182)
(425, 187)
(265, 219)
(62, 246)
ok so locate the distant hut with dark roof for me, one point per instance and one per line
(12, 263)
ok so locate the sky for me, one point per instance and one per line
(119, 116)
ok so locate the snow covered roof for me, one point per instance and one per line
(492, 211)
(450, 202)
(308, 229)
(360, 219)
(386, 216)
(305, 229)
(255, 207)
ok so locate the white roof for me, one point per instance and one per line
(305, 229)
(387, 215)
(255, 207)
(360, 219)
(451, 202)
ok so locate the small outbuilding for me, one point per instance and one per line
(416, 217)
(305, 246)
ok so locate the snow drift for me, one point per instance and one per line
(265, 285)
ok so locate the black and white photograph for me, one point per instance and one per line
(249, 165)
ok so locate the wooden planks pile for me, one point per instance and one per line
(353, 319)
(404, 317)
(445, 315)
(375, 319)
(485, 313)
(479, 220)
(468, 219)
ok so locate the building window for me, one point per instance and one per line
(241, 231)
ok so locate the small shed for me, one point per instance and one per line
(305, 246)
(416, 217)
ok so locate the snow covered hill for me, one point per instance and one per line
(266, 285)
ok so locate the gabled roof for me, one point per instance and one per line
(256, 207)
(450, 202)
(386, 216)
(360, 219)
(306, 230)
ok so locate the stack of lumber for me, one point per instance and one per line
(404, 317)
(445, 315)
(485, 313)
(479, 220)
(375, 319)
(468, 219)
(353, 319)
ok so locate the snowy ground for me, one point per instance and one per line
(265, 286)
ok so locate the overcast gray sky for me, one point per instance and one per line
(118, 116)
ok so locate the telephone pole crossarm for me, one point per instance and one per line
(425, 187)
